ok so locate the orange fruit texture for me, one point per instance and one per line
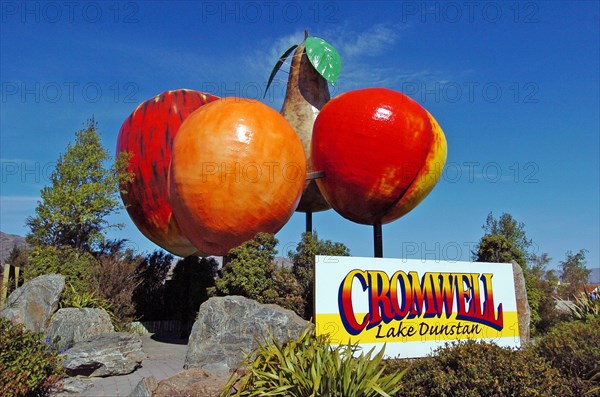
(238, 168)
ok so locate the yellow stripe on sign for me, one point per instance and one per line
(416, 330)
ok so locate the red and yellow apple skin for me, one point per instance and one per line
(238, 168)
(147, 135)
(382, 153)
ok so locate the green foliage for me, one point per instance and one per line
(286, 291)
(543, 285)
(27, 366)
(574, 349)
(499, 249)
(583, 308)
(72, 263)
(149, 295)
(303, 268)
(309, 366)
(252, 273)
(113, 279)
(71, 297)
(74, 209)
(18, 257)
(248, 271)
(573, 274)
(508, 227)
(505, 241)
(188, 289)
(478, 369)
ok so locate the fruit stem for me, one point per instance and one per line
(305, 34)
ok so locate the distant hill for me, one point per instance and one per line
(594, 277)
(7, 242)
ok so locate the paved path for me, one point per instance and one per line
(164, 359)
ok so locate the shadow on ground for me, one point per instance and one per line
(170, 339)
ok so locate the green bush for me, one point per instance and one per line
(574, 349)
(584, 308)
(27, 366)
(479, 369)
(72, 263)
(309, 366)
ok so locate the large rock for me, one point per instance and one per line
(75, 325)
(523, 311)
(144, 388)
(33, 303)
(114, 353)
(193, 382)
(71, 386)
(228, 326)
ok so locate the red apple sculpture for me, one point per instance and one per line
(147, 135)
(381, 152)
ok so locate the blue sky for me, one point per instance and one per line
(514, 85)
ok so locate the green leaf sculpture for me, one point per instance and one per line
(324, 58)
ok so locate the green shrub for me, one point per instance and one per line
(72, 263)
(574, 349)
(27, 366)
(71, 297)
(309, 366)
(479, 369)
(584, 308)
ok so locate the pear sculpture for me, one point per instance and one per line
(314, 64)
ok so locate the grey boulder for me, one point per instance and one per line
(33, 303)
(109, 354)
(74, 325)
(228, 326)
(523, 310)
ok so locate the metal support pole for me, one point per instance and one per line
(378, 240)
(309, 222)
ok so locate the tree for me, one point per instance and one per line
(71, 218)
(573, 274)
(18, 256)
(188, 289)
(544, 284)
(149, 295)
(73, 211)
(113, 279)
(248, 271)
(505, 240)
(303, 268)
(74, 264)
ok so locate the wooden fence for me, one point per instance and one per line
(8, 272)
(173, 328)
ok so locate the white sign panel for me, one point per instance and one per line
(414, 306)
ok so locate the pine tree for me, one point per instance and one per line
(73, 210)
(71, 219)
(303, 267)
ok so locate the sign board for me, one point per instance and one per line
(414, 306)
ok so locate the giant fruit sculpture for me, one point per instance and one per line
(147, 135)
(210, 173)
(314, 64)
(238, 169)
(381, 152)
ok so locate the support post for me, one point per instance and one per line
(378, 240)
(309, 222)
